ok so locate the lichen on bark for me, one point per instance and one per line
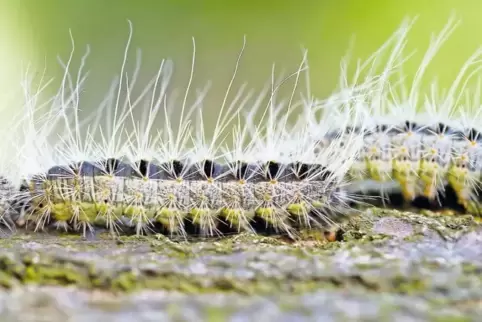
(429, 258)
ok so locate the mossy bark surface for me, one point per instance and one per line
(385, 265)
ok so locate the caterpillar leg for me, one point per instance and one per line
(462, 182)
(429, 176)
(404, 174)
(435, 161)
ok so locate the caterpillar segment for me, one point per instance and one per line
(464, 173)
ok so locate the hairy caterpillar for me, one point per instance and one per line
(426, 147)
(134, 174)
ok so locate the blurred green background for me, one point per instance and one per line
(36, 31)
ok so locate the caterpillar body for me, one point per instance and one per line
(238, 196)
(133, 175)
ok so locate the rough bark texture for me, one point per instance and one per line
(386, 266)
